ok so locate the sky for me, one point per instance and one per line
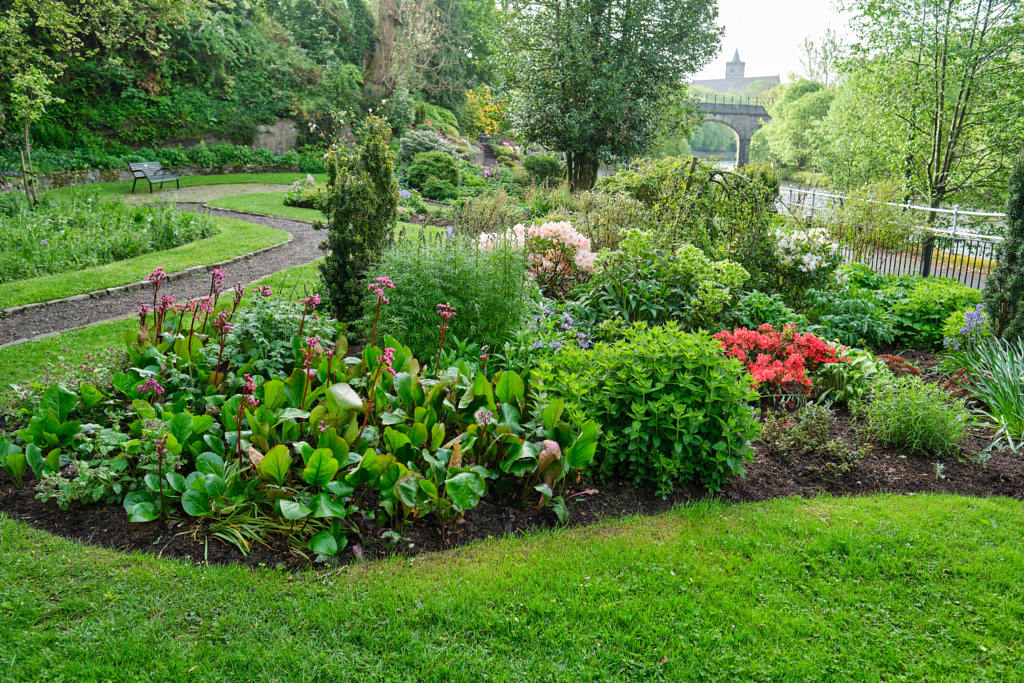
(770, 34)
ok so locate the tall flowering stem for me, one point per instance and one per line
(223, 326)
(248, 401)
(386, 359)
(447, 312)
(216, 287)
(156, 278)
(483, 357)
(309, 304)
(378, 286)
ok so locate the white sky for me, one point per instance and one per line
(770, 34)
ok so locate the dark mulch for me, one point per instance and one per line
(881, 471)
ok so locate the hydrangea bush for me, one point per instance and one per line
(559, 256)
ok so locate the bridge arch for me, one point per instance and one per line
(743, 119)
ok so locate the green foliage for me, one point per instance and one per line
(581, 69)
(922, 308)
(672, 409)
(806, 438)
(866, 218)
(488, 290)
(906, 412)
(436, 164)
(77, 229)
(361, 208)
(645, 281)
(755, 308)
(1004, 287)
(995, 377)
(851, 379)
(601, 217)
(417, 141)
(851, 315)
(439, 190)
(793, 134)
(491, 213)
(543, 168)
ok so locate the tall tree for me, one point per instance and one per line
(820, 60)
(945, 73)
(588, 76)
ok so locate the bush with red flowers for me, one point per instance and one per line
(781, 361)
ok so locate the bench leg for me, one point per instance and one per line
(133, 185)
(151, 187)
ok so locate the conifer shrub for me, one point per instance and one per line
(1004, 287)
(361, 206)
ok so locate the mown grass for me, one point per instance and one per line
(272, 204)
(120, 188)
(235, 238)
(855, 589)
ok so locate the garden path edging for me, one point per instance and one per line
(34, 321)
(142, 284)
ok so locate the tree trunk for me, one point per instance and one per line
(378, 78)
(582, 167)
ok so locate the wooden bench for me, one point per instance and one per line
(154, 173)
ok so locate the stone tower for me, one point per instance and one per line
(734, 69)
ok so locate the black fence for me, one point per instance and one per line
(966, 258)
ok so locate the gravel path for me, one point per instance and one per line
(47, 320)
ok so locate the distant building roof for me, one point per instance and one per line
(724, 85)
(735, 78)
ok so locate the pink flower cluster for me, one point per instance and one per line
(378, 286)
(388, 357)
(158, 275)
(446, 311)
(263, 290)
(547, 245)
(151, 384)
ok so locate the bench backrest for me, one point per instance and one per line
(140, 170)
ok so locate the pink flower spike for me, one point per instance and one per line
(158, 275)
(387, 358)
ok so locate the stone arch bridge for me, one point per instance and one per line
(743, 115)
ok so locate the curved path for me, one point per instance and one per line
(68, 315)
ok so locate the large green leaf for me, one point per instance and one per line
(215, 486)
(342, 398)
(60, 400)
(465, 489)
(90, 395)
(210, 463)
(195, 503)
(339, 447)
(187, 347)
(141, 507)
(510, 386)
(275, 464)
(273, 394)
(581, 452)
(407, 489)
(321, 468)
(521, 459)
(293, 510)
(553, 413)
(324, 506)
(323, 543)
(368, 470)
(14, 465)
(181, 427)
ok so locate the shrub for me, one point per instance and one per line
(673, 408)
(922, 309)
(438, 165)
(851, 315)
(779, 362)
(543, 168)
(807, 258)
(1004, 287)
(439, 190)
(305, 194)
(963, 331)
(906, 412)
(488, 290)
(603, 218)
(757, 308)
(849, 379)
(550, 327)
(643, 281)
(493, 213)
(76, 229)
(417, 141)
(558, 256)
(361, 207)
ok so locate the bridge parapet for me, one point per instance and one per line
(743, 118)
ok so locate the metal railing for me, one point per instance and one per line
(736, 99)
(959, 244)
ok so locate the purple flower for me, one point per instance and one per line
(555, 345)
(404, 194)
(538, 345)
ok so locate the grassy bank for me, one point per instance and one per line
(235, 238)
(874, 588)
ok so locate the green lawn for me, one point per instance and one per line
(120, 188)
(857, 589)
(235, 238)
